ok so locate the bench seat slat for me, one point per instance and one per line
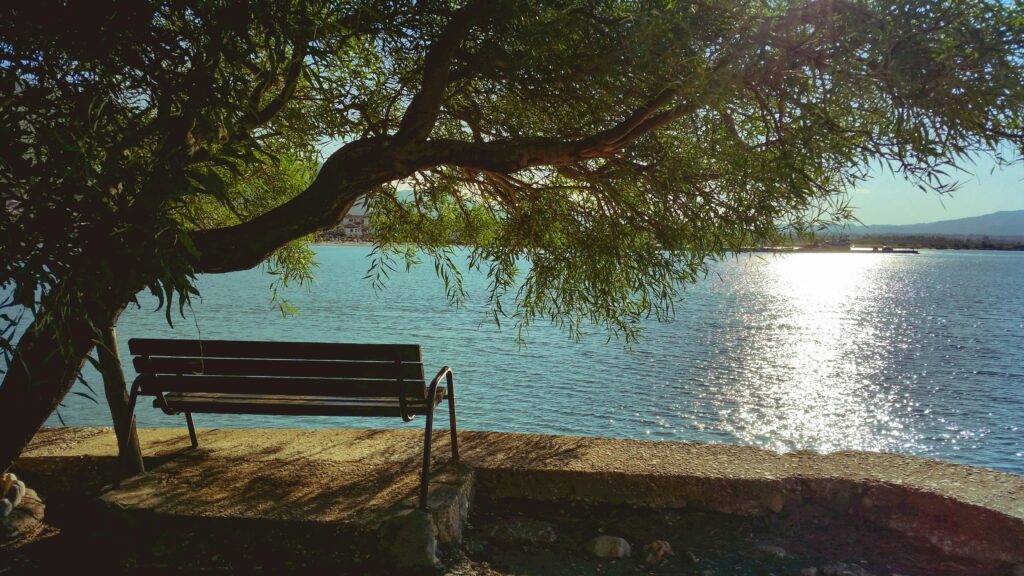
(277, 367)
(265, 385)
(290, 405)
(264, 349)
(291, 379)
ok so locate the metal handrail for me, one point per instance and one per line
(447, 374)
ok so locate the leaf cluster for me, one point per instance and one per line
(592, 155)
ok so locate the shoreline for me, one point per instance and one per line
(759, 250)
(281, 501)
(962, 511)
(340, 243)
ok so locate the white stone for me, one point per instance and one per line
(772, 550)
(17, 493)
(608, 547)
(812, 571)
(6, 481)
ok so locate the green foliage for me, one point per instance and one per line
(791, 102)
(131, 128)
(128, 126)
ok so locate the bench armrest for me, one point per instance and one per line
(445, 373)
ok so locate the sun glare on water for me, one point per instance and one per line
(808, 379)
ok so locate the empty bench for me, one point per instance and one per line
(291, 379)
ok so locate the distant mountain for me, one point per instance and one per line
(1003, 224)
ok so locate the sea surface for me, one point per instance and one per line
(915, 354)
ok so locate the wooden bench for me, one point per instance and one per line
(290, 379)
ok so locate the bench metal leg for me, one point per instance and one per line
(451, 416)
(191, 430)
(427, 436)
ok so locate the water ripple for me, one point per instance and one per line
(919, 355)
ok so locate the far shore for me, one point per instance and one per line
(922, 246)
(342, 243)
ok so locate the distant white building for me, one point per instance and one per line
(357, 226)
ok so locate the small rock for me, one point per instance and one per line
(6, 481)
(608, 547)
(23, 523)
(844, 569)
(692, 557)
(1018, 570)
(17, 493)
(812, 571)
(657, 551)
(772, 551)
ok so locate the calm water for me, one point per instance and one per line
(912, 354)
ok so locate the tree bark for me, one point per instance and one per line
(129, 452)
(52, 350)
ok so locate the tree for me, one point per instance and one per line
(115, 389)
(614, 146)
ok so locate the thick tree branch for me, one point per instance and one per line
(358, 167)
(507, 156)
(422, 112)
(291, 80)
(622, 130)
(350, 172)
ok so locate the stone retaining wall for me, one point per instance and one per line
(965, 511)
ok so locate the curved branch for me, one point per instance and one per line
(635, 120)
(258, 117)
(508, 156)
(422, 112)
(350, 172)
(360, 166)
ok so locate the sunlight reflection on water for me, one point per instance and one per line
(916, 354)
(810, 385)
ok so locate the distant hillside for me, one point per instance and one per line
(999, 224)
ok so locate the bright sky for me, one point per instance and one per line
(888, 199)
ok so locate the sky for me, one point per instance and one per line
(888, 199)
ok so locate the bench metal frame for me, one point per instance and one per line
(447, 393)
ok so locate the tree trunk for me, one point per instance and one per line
(51, 353)
(74, 315)
(129, 453)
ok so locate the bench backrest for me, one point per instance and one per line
(287, 368)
